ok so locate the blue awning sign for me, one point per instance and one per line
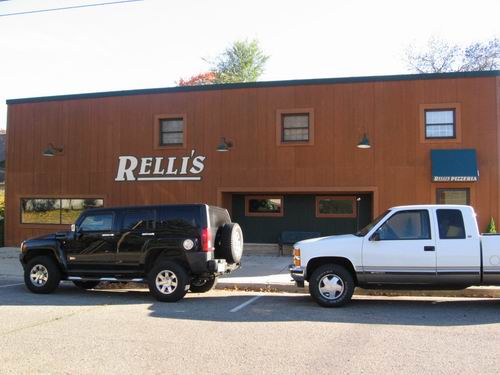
(454, 165)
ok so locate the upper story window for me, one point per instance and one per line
(170, 131)
(440, 123)
(295, 127)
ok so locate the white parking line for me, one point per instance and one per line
(5, 286)
(245, 304)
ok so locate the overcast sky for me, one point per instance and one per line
(153, 43)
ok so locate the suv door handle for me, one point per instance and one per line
(148, 234)
(107, 235)
(429, 248)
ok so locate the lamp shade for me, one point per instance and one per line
(364, 143)
(224, 145)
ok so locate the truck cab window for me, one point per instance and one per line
(451, 224)
(406, 225)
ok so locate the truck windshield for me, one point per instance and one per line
(366, 229)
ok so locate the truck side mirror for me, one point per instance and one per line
(375, 236)
(73, 227)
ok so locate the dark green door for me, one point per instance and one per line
(299, 213)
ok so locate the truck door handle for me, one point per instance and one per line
(148, 234)
(107, 235)
(429, 248)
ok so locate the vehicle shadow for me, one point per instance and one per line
(274, 307)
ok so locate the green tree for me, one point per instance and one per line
(243, 61)
(491, 226)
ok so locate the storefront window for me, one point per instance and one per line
(55, 211)
(453, 196)
(335, 206)
(264, 206)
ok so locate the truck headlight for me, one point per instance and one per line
(296, 257)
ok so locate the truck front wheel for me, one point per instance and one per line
(331, 285)
(41, 275)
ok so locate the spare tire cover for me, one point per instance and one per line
(231, 243)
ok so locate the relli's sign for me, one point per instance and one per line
(187, 168)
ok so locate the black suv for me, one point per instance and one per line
(175, 248)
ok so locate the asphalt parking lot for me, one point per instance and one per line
(226, 332)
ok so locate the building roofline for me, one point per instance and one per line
(263, 84)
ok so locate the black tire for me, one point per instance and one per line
(172, 272)
(342, 285)
(42, 275)
(203, 285)
(230, 245)
(86, 284)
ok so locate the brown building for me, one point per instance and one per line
(293, 161)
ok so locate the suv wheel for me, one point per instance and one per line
(42, 275)
(231, 243)
(86, 284)
(168, 281)
(331, 285)
(202, 285)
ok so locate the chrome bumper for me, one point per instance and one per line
(298, 274)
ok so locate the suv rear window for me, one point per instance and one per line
(179, 220)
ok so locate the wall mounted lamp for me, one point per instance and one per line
(364, 143)
(225, 145)
(52, 150)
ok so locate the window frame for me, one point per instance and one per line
(336, 197)
(453, 123)
(43, 225)
(157, 131)
(466, 189)
(429, 228)
(264, 214)
(457, 123)
(281, 114)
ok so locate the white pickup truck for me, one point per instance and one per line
(412, 247)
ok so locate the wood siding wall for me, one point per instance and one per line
(95, 132)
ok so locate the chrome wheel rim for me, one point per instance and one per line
(39, 275)
(166, 282)
(331, 286)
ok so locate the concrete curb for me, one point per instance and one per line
(476, 292)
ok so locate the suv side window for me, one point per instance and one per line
(138, 220)
(406, 225)
(451, 224)
(97, 223)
